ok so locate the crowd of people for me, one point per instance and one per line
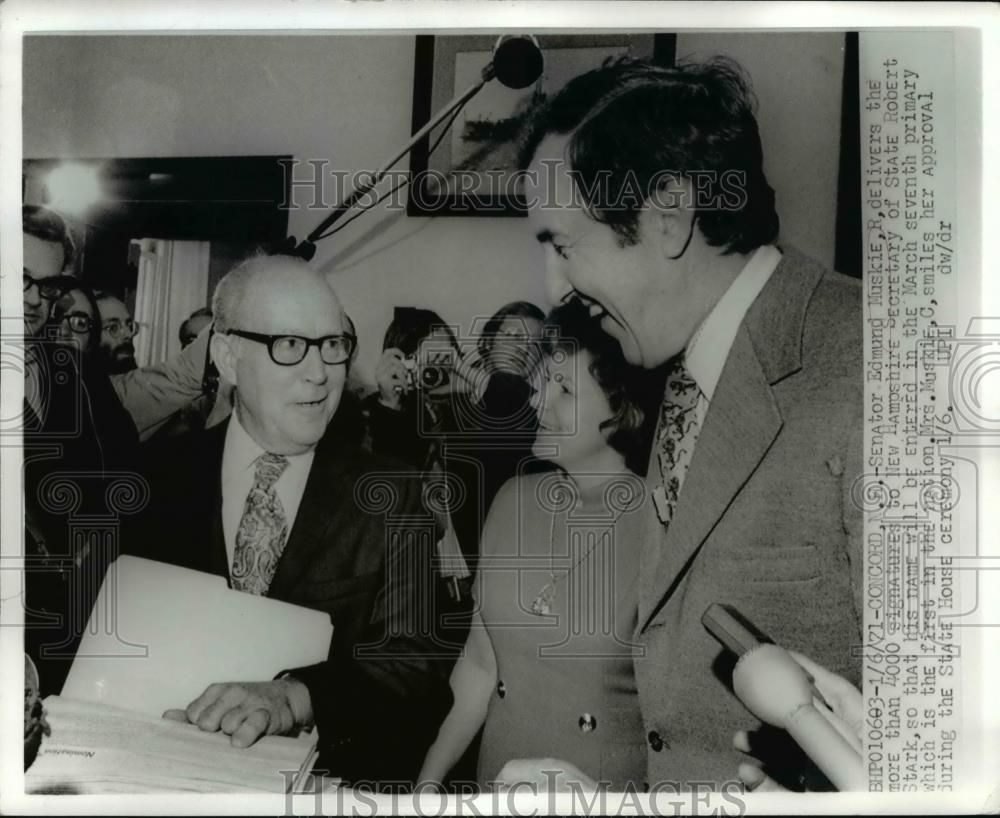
(515, 537)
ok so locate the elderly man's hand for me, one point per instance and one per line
(845, 701)
(545, 774)
(248, 710)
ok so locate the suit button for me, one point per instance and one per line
(501, 689)
(655, 741)
(588, 723)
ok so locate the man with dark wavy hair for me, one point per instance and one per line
(649, 199)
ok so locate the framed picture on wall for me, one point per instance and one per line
(470, 169)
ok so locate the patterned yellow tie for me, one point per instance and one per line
(681, 416)
(263, 529)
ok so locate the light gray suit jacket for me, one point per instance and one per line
(765, 521)
(153, 394)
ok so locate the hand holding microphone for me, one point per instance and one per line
(820, 710)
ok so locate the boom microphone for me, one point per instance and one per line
(517, 60)
(517, 63)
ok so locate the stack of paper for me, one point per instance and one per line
(96, 748)
(160, 634)
(157, 637)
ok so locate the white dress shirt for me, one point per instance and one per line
(709, 347)
(239, 459)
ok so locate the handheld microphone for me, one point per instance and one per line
(779, 691)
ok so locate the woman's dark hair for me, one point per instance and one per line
(633, 125)
(410, 326)
(515, 309)
(75, 285)
(49, 226)
(633, 393)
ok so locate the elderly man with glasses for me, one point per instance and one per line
(275, 501)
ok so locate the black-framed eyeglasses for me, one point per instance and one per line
(51, 289)
(288, 350)
(117, 328)
(79, 322)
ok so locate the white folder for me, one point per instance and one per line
(158, 635)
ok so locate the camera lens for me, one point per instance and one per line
(431, 377)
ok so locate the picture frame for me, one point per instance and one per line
(469, 169)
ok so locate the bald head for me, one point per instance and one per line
(285, 407)
(247, 291)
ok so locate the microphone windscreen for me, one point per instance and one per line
(517, 61)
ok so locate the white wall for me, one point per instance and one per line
(343, 99)
(348, 100)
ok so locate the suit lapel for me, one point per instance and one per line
(740, 426)
(741, 423)
(321, 502)
(218, 559)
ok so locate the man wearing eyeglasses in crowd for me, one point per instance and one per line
(117, 331)
(76, 433)
(48, 256)
(273, 500)
(151, 394)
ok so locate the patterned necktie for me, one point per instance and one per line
(681, 415)
(260, 538)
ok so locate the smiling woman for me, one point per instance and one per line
(592, 403)
(559, 555)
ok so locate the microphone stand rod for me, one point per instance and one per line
(341, 209)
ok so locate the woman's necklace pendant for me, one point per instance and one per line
(542, 606)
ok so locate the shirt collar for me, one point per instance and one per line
(241, 451)
(709, 346)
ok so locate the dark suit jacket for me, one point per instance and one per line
(79, 461)
(765, 520)
(360, 549)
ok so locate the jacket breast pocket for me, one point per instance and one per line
(778, 565)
